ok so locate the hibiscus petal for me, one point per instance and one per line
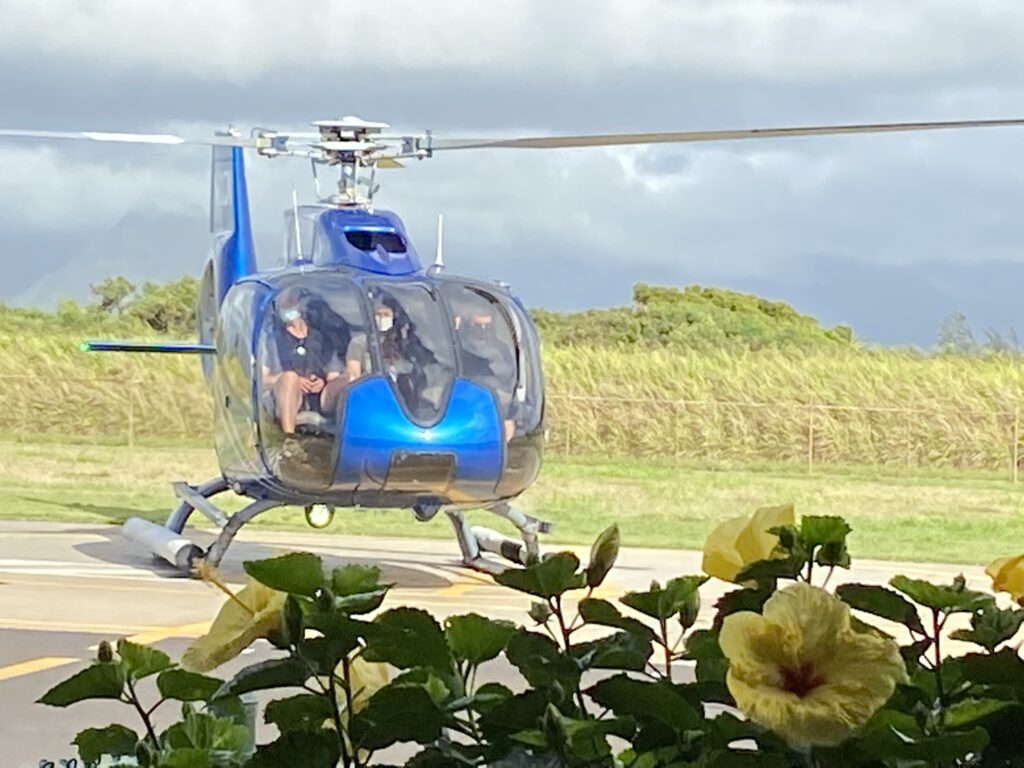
(721, 559)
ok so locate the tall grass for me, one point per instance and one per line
(728, 407)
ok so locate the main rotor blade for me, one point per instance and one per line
(619, 139)
(129, 138)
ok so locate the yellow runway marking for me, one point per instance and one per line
(56, 626)
(34, 665)
(157, 634)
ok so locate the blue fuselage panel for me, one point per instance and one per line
(376, 429)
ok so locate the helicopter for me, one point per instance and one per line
(351, 375)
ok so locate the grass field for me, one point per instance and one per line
(937, 516)
(718, 407)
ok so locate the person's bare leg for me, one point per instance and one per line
(331, 394)
(288, 397)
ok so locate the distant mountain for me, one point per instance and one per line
(900, 305)
(884, 304)
(143, 245)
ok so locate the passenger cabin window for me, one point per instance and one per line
(414, 343)
(486, 344)
(305, 338)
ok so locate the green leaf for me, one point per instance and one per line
(424, 678)
(766, 572)
(820, 530)
(551, 577)
(188, 757)
(488, 696)
(702, 646)
(274, 673)
(646, 701)
(833, 556)
(991, 626)
(476, 639)
(199, 730)
(594, 610)
(309, 749)
(297, 573)
(364, 602)
(897, 736)
(306, 711)
(1004, 668)
(968, 712)
(326, 652)
(179, 685)
(102, 680)
(355, 579)
(517, 713)
(746, 599)
(409, 637)
(882, 602)
(664, 603)
(396, 714)
(541, 662)
(622, 650)
(112, 741)
(603, 554)
(140, 661)
(911, 653)
(947, 599)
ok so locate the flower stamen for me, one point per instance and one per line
(801, 680)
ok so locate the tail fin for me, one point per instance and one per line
(234, 253)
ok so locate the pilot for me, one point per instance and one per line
(487, 358)
(300, 366)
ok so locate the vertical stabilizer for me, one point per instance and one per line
(234, 253)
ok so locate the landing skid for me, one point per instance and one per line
(475, 540)
(168, 542)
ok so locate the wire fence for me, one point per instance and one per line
(805, 433)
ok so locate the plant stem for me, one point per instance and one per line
(332, 696)
(556, 608)
(142, 713)
(828, 576)
(937, 628)
(666, 648)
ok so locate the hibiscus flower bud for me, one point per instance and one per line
(105, 652)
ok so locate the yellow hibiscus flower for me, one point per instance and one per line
(1008, 576)
(743, 541)
(802, 671)
(256, 611)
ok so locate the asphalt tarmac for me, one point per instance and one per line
(66, 587)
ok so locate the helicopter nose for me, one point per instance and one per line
(382, 447)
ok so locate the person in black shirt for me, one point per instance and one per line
(302, 368)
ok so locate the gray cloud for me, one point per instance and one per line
(569, 228)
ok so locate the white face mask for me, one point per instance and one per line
(384, 323)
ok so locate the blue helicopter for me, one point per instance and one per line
(353, 375)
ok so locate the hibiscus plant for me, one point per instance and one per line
(784, 672)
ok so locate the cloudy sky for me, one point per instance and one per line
(889, 233)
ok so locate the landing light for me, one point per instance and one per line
(319, 515)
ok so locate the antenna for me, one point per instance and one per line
(298, 231)
(439, 256)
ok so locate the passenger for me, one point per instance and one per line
(404, 356)
(299, 364)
